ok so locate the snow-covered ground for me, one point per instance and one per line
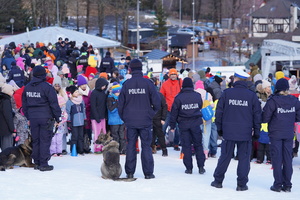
(80, 178)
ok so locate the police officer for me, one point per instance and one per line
(107, 64)
(138, 103)
(238, 114)
(280, 112)
(186, 110)
(41, 108)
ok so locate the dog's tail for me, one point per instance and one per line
(125, 179)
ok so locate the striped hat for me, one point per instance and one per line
(116, 88)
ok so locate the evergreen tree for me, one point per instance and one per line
(160, 28)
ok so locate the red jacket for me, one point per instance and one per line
(18, 97)
(170, 89)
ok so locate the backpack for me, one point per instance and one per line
(207, 112)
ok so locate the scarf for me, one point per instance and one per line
(84, 93)
(76, 100)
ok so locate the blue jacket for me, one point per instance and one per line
(281, 112)
(238, 113)
(138, 101)
(186, 109)
(39, 100)
(113, 114)
(17, 75)
(76, 113)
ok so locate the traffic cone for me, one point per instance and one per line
(74, 151)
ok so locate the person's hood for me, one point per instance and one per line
(100, 83)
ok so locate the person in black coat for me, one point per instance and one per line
(99, 110)
(7, 129)
(16, 74)
(107, 64)
(158, 121)
(186, 111)
(238, 114)
(138, 103)
(40, 106)
(281, 112)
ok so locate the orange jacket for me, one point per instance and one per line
(170, 89)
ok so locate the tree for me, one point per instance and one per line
(160, 28)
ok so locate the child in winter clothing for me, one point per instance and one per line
(117, 126)
(57, 139)
(76, 118)
(21, 124)
(98, 110)
(85, 92)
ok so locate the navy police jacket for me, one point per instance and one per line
(39, 100)
(138, 101)
(107, 64)
(281, 112)
(186, 109)
(238, 113)
(17, 75)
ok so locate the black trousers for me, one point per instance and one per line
(158, 133)
(263, 149)
(118, 134)
(77, 138)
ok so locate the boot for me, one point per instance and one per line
(164, 152)
(153, 149)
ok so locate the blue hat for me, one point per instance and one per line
(116, 88)
(241, 74)
(81, 80)
(187, 83)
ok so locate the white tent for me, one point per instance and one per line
(51, 34)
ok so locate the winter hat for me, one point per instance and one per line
(173, 71)
(81, 80)
(14, 84)
(187, 83)
(107, 53)
(279, 75)
(92, 75)
(199, 84)
(7, 89)
(128, 58)
(60, 73)
(116, 88)
(65, 69)
(39, 71)
(103, 75)
(13, 63)
(136, 65)
(265, 84)
(79, 67)
(257, 77)
(72, 89)
(218, 79)
(282, 85)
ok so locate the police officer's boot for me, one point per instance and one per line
(165, 152)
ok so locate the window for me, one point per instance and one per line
(263, 28)
(278, 28)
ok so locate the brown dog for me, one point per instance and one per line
(111, 168)
(17, 156)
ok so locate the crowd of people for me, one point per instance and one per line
(59, 91)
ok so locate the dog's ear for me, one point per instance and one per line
(29, 137)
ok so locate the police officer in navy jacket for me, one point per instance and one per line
(186, 111)
(281, 112)
(41, 108)
(138, 103)
(107, 64)
(238, 115)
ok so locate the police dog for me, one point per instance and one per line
(111, 168)
(17, 156)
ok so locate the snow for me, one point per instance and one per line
(80, 178)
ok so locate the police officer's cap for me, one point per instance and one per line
(39, 71)
(241, 74)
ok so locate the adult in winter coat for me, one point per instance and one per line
(107, 64)
(40, 106)
(169, 89)
(186, 110)
(7, 129)
(238, 114)
(99, 110)
(138, 103)
(281, 112)
(16, 74)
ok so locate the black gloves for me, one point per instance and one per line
(69, 125)
(220, 133)
(256, 135)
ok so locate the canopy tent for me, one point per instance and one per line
(51, 34)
